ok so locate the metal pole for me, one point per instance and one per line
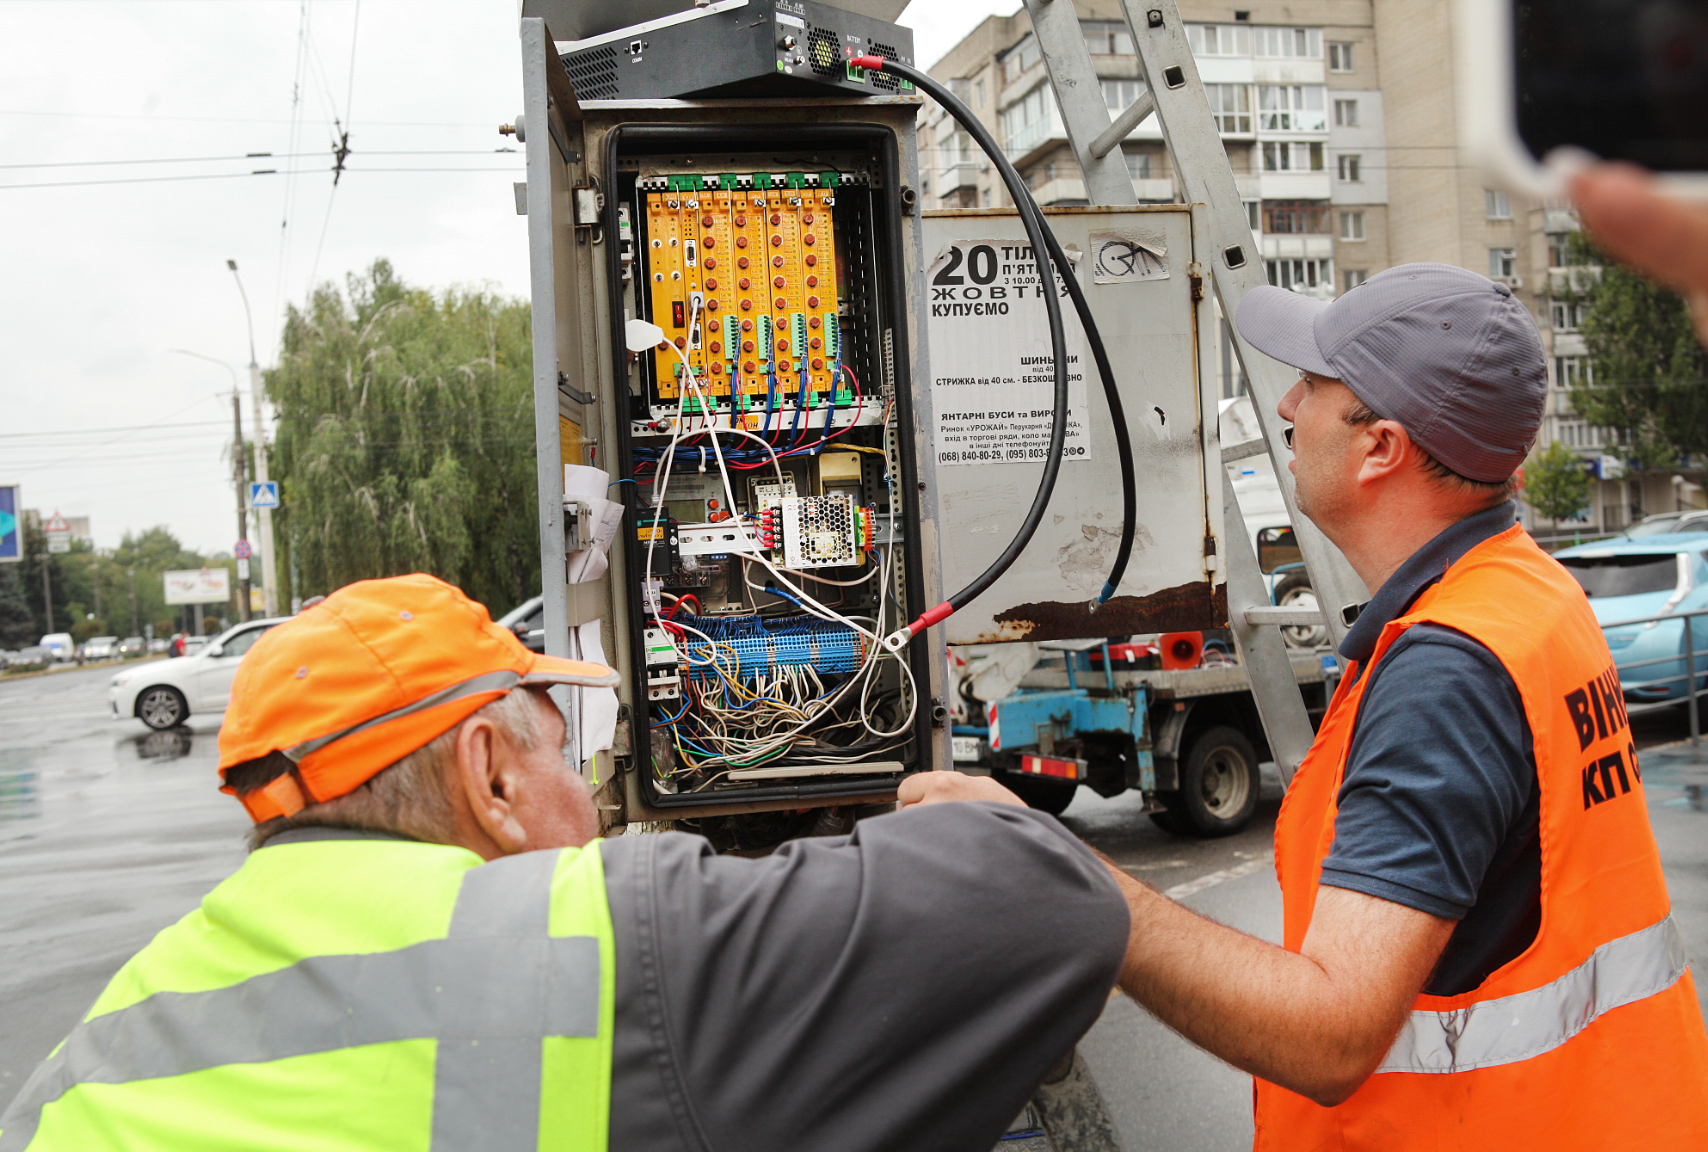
(237, 468)
(134, 631)
(269, 563)
(1690, 681)
(47, 585)
(96, 561)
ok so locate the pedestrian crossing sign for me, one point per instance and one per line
(264, 494)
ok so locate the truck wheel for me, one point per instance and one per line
(1295, 591)
(1052, 796)
(1218, 784)
(162, 707)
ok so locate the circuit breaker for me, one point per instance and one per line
(770, 452)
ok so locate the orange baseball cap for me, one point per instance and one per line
(373, 672)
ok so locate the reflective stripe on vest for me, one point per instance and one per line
(1527, 1024)
(489, 993)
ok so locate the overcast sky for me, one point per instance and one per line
(99, 416)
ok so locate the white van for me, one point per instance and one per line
(61, 645)
(1265, 514)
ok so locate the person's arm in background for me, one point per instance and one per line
(1634, 220)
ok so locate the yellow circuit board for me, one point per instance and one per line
(760, 264)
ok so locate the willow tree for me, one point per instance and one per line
(405, 440)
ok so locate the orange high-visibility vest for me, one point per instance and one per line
(1592, 1037)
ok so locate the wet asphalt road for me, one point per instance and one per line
(108, 833)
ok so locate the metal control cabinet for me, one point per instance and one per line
(828, 178)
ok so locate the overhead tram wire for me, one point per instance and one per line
(260, 156)
(341, 149)
(1045, 250)
(235, 175)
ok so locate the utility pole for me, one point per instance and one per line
(269, 564)
(242, 526)
(47, 583)
(134, 631)
(95, 557)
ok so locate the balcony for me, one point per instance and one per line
(958, 174)
(1295, 185)
(1024, 145)
(1061, 190)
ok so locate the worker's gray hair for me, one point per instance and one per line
(411, 797)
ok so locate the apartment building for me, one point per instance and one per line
(1339, 120)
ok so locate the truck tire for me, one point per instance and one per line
(1219, 782)
(1052, 796)
(1294, 591)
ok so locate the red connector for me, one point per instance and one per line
(871, 63)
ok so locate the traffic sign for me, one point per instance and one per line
(243, 551)
(11, 534)
(58, 533)
(264, 494)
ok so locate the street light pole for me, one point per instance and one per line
(237, 461)
(269, 565)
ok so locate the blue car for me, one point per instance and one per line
(1663, 576)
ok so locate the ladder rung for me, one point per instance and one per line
(1285, 617)
(1123, 125)
(1232, 452)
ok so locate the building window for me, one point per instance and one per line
(1353, 277)
(1352, 225)
(960, 88)
(1218, 39)
(1230, 104)
(1291, 108)
(1572, 370)
(1340, 57)
(1122, 94)
(1296, 217)
(987, 197)
(1279, 156)
(1139, 165)
(1299, 274)
(1106, 38)
(1559, 249)
(1254, 214)
(1020, 58)
(1346, 113)
(978, 90)
(1495, 204)
(1503, 263)
(1296, 43)
(1565, 317)
(1350, 167)
(1023, 121)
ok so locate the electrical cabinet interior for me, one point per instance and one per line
(764, 453)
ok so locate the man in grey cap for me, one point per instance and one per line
(1478, 949)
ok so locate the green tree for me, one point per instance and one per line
(1555, 483)
(1648, 377)
(405, 439)
(17, 622)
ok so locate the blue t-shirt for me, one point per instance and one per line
(1438, 807)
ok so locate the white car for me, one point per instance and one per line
(164, 693)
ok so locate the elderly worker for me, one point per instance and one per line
(1479, 950)
(429, 950)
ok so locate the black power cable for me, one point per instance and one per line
(1043, 243)
(1036, 234)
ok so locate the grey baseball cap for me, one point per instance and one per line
(1447, 353)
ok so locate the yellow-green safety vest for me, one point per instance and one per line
(351, 994)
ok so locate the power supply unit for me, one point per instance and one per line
(738, 48)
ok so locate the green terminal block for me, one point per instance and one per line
(678, 367)
(905, 85)
(696, 405)
(798, 335)
(856, 75)
(763, 327)
(844, 396)
(829, 179)
(732, 339)
(761, 181)
(795, 180)
(832, 337)
(729, 181)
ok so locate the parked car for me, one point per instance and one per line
(31, 657)
(61, 645)
(158, 644)
(1650, 576)
(100, 647)
(1669, 523)
(194, 644)
(164, 693)
(131, 647)
(528, 621)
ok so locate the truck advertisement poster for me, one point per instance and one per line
(993, 374)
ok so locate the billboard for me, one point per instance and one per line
(198, 586)
(11, 524)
